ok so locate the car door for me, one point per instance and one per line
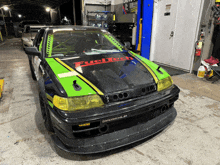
(35, 59)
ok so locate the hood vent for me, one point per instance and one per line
(120, 96)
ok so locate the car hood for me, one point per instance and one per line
(110, 72)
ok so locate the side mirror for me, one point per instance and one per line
(32, 51)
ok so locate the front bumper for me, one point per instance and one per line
(117, 139)
(134, 127)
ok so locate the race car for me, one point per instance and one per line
(95, 94)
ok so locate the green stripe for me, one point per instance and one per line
(51, 104)
(114, 42)
(49, 45)
(41, 43)
(153, 67)
(67, 82)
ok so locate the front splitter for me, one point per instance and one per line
(116, 139)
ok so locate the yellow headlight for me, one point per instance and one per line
(164, 83)
(77, 103)
(60, 102)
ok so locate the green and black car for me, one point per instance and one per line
(95, 94)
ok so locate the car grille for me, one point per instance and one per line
(120, 96)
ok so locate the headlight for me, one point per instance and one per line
(77, 103)
(26, 39)
(164, 83)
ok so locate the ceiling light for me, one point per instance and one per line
(5, 8)
(48, 9)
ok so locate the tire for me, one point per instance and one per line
(32, 71)
(45, 114)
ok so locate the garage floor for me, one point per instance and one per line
(194, 137)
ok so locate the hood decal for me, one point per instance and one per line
(146, 66)
(152, 66)
(67, 82)
(111, 72)
(80, 76)
(101, 61)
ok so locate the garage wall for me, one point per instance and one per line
(175, 30)
(94, 5)
(208, 27)
(116, 7)
(112, 5)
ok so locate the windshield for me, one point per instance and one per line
(81, 42)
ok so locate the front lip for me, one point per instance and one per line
(116, 139)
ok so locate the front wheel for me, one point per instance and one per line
(45, 114)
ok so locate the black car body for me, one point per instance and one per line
(95, 94)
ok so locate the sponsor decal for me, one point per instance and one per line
(68, 74)
(116, 118)
(83, 125)
(102, 61)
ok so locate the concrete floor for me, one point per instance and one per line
(194, 137)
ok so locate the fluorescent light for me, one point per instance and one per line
(19, 15)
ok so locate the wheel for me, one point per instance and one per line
(45, 114)
(32, 71)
